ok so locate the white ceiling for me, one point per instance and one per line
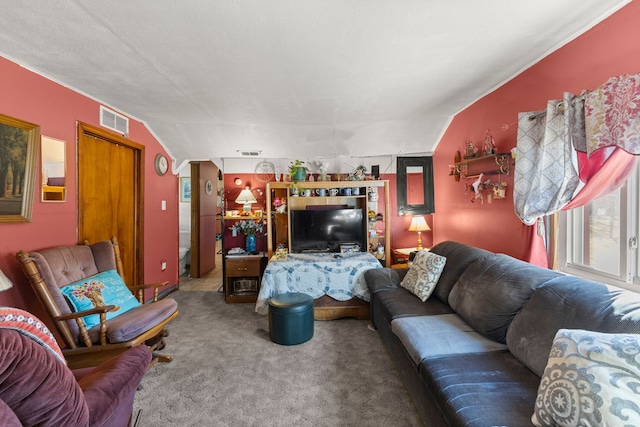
(295, 79)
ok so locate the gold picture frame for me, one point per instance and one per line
(19, 143)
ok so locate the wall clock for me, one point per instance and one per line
(162, 164)
(265, 171)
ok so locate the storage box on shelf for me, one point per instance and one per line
(320, 194)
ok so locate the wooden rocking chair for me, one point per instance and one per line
(50, 270)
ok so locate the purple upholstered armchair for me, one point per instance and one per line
(37, 387)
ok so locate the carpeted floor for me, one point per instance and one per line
(226, 372)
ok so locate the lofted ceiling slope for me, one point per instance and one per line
(291, 78)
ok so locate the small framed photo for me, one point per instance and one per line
(185, 189)
(257, 213)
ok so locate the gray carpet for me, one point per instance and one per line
(226, 372)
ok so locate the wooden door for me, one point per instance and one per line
(110, 194)
(204, 209)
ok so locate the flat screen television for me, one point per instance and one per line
(325, 230)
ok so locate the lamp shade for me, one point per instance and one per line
(418, 223)
(245, 198)
(5, 283)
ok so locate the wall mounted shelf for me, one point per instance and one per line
(493, 164)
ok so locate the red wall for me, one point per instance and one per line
(609, 49)
(56, 109)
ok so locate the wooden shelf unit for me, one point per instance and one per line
(278, 223)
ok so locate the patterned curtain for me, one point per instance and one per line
(545, 178)
(612, 115)
(603, 126)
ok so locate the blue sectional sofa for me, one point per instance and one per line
(474, 352)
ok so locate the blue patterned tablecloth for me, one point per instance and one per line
(340, 276)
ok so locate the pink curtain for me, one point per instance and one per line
(606, 172)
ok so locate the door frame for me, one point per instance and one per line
(138, 186)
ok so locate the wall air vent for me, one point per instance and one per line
(114, 121)
(250, 153)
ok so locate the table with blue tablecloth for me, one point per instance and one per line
(336, 275)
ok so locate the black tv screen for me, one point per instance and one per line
(325, 230)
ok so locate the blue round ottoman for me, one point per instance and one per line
(291, 318)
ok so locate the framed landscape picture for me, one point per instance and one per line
(185, 189)
(19, 142)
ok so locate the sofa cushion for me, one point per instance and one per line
(136, 321)
(381, 279)
(568, 302)
(106, 288)
(482, 389)
(115, 380)
(592, 379)
(493, 289)
(459, 256)
(423, 275)
(445, 334)
(36, 386)
(402, 303)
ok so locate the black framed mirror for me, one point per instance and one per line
(414, 185)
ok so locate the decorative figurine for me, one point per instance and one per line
(323, 167)
(470, 150)
(477, 187)
(359, 173)
(489, 144)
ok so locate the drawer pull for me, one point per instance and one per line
(242, 268)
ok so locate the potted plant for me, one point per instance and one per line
(298, 171)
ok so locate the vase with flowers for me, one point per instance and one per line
(250, 228)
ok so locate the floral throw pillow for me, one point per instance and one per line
(423, 275)
(591, 379)
(106, 288)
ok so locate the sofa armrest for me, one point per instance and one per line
(110, 387)
(8, 418)
(381, 279)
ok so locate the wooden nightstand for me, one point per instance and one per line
(242, 277)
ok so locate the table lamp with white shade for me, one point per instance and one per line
(246, 198)
(419, 224)
(5, 283)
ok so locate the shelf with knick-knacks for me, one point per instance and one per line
(284, 197)
(493, 164)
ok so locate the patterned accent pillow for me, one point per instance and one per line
(591, 379)
(423, 275)
(30, 326)
(106, 288)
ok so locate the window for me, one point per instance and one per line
(598, 241)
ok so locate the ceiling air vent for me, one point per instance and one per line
(114, 121)
(252, 153)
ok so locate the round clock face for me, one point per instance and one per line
(162, 164)
(208, 187)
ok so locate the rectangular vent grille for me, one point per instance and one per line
(114, 121)
(250, 153)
